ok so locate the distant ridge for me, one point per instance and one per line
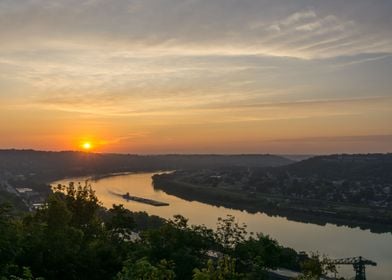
(297, 157)
(345, 167)
(47, 165)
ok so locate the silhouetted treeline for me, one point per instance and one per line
(374, 167)
(46, 166)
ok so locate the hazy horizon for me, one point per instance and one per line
(289, 156)
(196, 76)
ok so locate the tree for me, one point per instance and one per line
(121, 221)
(83, 204)
(255, 255)
(229, 233)
(177, 241)
(25, 275)
(143, 270)
(9, 238)
(224, 269)
(50, 244)
(315, 266)
(66, 239)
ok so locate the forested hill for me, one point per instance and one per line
(354, 190)
(53, 165)
(358, 167)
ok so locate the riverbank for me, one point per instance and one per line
(307, 211)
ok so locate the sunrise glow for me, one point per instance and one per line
(259, 78)
(87, 146)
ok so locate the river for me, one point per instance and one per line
(334, 241)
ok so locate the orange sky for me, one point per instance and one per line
(261, 78)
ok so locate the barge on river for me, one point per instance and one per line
(152, 202)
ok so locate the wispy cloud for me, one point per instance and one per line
(227, 66)
(251, 28)
(387, 138)
(363, 60)
(130, 137)
(295, 18)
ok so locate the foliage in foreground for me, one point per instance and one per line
(73, 237)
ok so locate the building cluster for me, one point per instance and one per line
(368, 192)
(31, 198)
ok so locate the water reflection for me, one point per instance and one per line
(336, 242)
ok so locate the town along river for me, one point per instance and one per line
(334, 241)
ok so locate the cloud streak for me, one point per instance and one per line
(191, 27)
(254, 69)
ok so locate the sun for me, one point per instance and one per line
(87, 146)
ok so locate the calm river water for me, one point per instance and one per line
(334, 241)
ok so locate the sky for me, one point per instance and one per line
(196, 76)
